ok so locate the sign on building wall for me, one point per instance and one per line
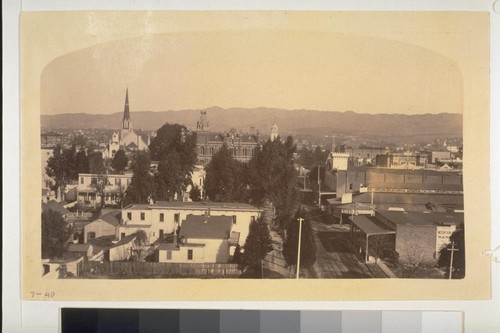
(346, 198)
(443, 234)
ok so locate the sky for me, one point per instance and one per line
(407, 67)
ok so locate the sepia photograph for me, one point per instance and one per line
(236, 147)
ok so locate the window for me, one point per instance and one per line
(176, 217)
(129, 216)
(122, 235)
(169, 255)
(190, 254)
(234, 219)
(90, 235)
(162, 217)
(117, 181)
(81, 180)
(143, 216)
(350, 186)
(252, 219)
(94, 180)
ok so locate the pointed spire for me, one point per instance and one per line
(126, 113)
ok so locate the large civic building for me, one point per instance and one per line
(241, 145)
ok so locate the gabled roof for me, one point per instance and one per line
(102, 242)
(132, 145)
(206, 227)
(126, 239)
(112, 217)
(55, 206)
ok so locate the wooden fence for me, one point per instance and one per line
(134, 270)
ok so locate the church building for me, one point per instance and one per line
(126, 139)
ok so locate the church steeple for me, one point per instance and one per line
(274, 131)
(126, 114)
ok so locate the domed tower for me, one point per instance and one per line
(274, 132)
(202, 124)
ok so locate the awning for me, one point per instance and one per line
(369, 227)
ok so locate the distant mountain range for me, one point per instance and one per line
(296, 121)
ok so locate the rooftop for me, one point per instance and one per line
(409, 198)
(112, 217)
(371, 225)
(235, 206)
(78, 247)
(421, 218)
(55, 206)
(126, 239)
(206, 227)
(168, 247)
(206, 204)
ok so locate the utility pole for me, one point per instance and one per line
(298, 247)
(319, 186)
(452, 249)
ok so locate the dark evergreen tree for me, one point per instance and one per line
(82, 162)
(307, 245)
(120, 161)
(55, 234)
(237, 255)
(170, 178)
(272, 176)
(313, 175)
(458, 241)
(140, 188)
(257, 245)
(225, 177)
(175, 149)
(61, 167)
(195, 193)
(96, 163)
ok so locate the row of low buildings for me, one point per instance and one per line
(176, 232)
(415, 210)
(383, 157)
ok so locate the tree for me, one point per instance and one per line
(140, 188)
(307, 245)
(382, 246)
(313, 175)
(61, 167)
(99, 184)
(140, 240)
(272, 176)
(225, 177)
(55, 234)
(170, 178)
(257, 245)
(96, 163)
(195, 193)
(458, 241)
(120, 161)
(309, 158)
(175, 149)
(237, 255)
(82, 161)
